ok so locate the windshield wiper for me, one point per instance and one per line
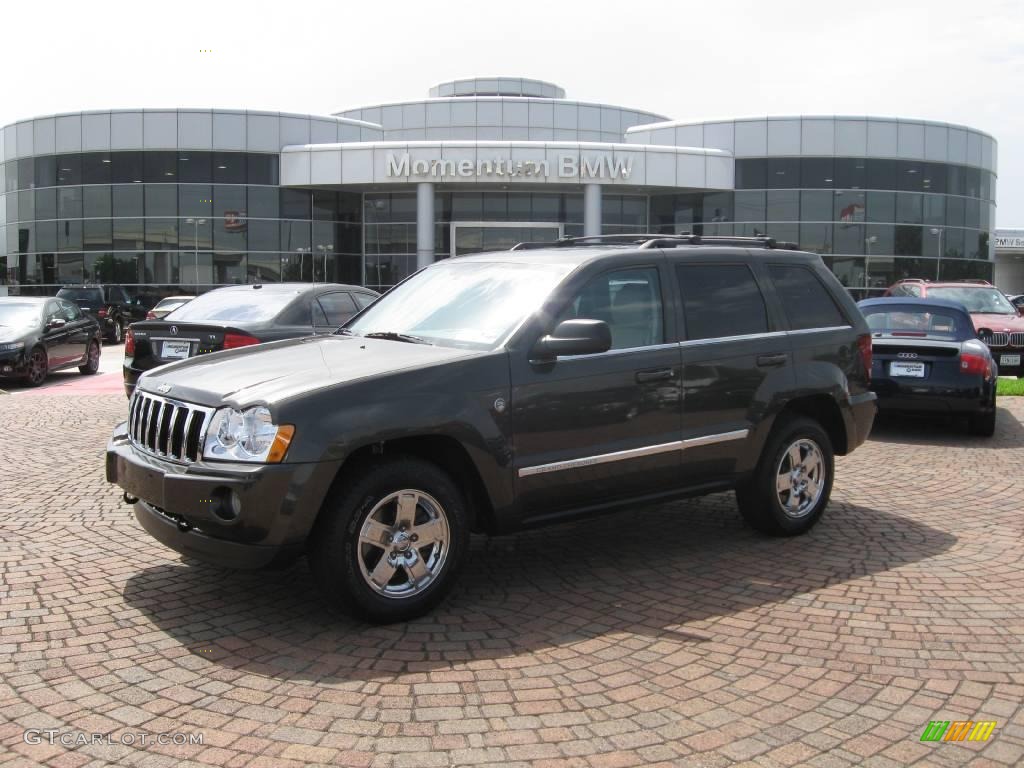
(396, 336)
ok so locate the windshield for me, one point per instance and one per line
(918, 321)
(251, 306)
(977, 300)
(17, 314)
(467, 304)
(81, 294)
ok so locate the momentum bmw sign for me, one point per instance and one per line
(564, 167)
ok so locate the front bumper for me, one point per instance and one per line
(12, 364)
(232, 515)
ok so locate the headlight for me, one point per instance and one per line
(12, 347)
(248, 435)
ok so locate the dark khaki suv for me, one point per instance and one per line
(503, 390)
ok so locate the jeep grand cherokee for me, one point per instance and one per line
(503, 390)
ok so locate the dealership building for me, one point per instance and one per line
(174, 199)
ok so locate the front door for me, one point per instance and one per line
(589, 429)
(481, 236)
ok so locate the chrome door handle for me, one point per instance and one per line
(662, 374)
(769, 360)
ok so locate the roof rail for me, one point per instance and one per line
(648, 240)
(972, 280)
(913, 280)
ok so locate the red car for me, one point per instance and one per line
(998, 322)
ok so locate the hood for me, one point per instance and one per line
(269, 373)
(998, 323)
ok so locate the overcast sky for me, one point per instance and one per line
(961, 62)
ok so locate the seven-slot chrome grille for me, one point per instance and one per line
(995, 339)
(167, 428)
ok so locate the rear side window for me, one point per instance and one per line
(363, 299)
(805, 299)
(338, 307)
(721, 300)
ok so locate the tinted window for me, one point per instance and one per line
(628, 300)
(52, 311)
(88, 295)
(338, 307)
(250, 306)
(721, 300)
(807, 302)
(71, 311)
(363, 299)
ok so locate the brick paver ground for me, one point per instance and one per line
(670, 636)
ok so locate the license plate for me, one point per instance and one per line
(1009, 359)
(914, 370)
(176, 350)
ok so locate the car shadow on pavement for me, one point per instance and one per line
(946, 431)
(668, 573)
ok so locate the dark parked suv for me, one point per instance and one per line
(110, 304)
(503, 390)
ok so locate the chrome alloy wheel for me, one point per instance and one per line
(800, 478)
(93, 361)
(403, 544)
(37, 367)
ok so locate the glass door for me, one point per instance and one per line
(480, 236)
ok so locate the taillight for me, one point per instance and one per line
(235, 340)
(150, 315)
(975, 365)
(864, 347)
(129, 343)
(101, 313)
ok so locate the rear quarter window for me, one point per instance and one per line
(804, 298)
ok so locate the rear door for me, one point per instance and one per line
(734, 353)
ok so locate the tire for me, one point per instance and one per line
(117, 334)
(376, 580)
(92, 360)
(762, 499)
(38, 367)
(983, 424)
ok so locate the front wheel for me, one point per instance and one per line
(390, 546)
(37, 368)
(92, 360)
(790, 488)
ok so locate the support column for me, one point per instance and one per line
(424, 224)
(591, 210)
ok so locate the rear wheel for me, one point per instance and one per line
(790, 488)
(92, 360)
(117, 333)
(390, 546)
(983, 424)
(37, 367)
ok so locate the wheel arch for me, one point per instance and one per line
(443, 451)
(824, 410)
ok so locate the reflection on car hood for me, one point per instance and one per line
(1010, 323)
(272, 372)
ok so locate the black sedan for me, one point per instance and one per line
(927, 358)
(238, 316)
(40, 335)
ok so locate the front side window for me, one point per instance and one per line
(805, 299)
(628, 300)
(721, 300)
(467, 304)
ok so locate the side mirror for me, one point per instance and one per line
(55, 324)
(574, 337)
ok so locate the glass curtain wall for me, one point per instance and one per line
(174, 221)
(873, 221)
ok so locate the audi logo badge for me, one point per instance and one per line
(907, 355)
(174, 330)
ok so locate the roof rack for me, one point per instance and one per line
(972, 280)
(660, 241)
